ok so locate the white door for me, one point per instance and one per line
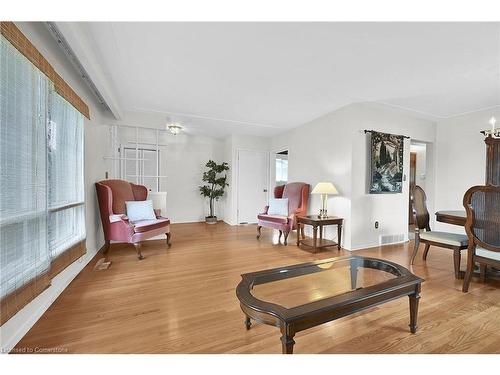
(253, 182)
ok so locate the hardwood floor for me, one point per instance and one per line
(182, 300)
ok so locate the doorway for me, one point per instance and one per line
(417, 175)
(413, 173)
(281, 168)
(253, 183)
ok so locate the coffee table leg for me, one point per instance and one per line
(248, 323)
(287, 340)
(414, 298)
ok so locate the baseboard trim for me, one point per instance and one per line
(15, 328)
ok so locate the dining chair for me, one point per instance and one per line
(423, 233)
(482, 204)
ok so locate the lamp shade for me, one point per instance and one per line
(324, 188)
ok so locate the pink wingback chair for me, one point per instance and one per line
(298, 198)
(112, 195)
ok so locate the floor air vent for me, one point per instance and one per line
(386, 239)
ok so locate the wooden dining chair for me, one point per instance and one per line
(482, 204)
(423, 233)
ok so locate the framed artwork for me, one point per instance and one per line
(386, 163)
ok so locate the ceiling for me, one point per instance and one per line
(263, 78)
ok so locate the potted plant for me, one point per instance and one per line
(215, 186)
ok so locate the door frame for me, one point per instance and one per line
(430, 175)
(413, 162)
(237, 171)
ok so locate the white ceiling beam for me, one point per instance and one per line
(83, 50)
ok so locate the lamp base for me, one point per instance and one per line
(323, 214)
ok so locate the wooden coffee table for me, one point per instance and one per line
(318, 243)
(302, 296)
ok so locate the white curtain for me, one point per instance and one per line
(24, 92)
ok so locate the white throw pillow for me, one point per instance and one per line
(278, 207)
(140, 210)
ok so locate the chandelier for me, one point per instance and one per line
(493, 132)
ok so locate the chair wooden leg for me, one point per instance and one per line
(415, 250)
(482, 272)
(302, 232)
(169, 236)
(468, 273)
(258, 231)
(279, 236)
(137, 246)
(426, 251)
(106, 247)
(285, 237)
(456, 262)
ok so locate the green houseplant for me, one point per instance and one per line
(214, 189)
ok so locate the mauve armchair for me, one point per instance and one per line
(298, 199)
(112, 195)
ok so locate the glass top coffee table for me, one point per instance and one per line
(305, 295)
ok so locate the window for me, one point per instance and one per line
(141, 166)
(281, 169)
(65, 176)
(23, 190)
(138, 155)
(42, 217)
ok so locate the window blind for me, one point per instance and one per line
(14, 36)
(42, 212)
(65, 183)
(25, 257)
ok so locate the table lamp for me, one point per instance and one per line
(325, 189)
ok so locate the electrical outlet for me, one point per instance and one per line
(376, 225)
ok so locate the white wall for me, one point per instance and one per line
(390, 210)
(186, 157)
(461, 159)
(334, 148)
(182, 160)
(321, 151)
(16, 327)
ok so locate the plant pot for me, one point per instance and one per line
(211, 219)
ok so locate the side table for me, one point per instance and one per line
(318, 243)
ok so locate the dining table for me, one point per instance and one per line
(459, 217)
(456, 217)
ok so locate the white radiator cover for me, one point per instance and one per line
(386, 239)
(159, 201)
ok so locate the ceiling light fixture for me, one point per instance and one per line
(494, 132)
(174, 128)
